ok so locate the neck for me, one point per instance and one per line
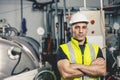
(81, 42)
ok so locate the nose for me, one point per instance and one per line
(80, 30)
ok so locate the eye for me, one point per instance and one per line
(84, 27)
(76, 27)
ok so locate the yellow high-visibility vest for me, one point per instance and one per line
(76, 56)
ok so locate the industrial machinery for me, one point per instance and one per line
(20, 57)
(113, 52)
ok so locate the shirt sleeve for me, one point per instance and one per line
(100, 54)
(60, 54)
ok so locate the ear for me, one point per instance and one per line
(71, 30)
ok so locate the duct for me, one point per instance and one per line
(18, 55)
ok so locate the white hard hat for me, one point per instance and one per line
(78, 17)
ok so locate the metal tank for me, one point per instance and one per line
(18, 55)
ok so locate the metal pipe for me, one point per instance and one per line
(48, 19)
(103, 24)
(64, 20)
(68, 7)
(56, 8)
(68, 17)
(57, 18)
(53, 26)
(21, 2)
(64, 10)
(84, 4)
(60, 28)
(101, 5)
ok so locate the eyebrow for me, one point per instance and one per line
(79, 26)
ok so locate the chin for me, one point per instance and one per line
(80, 39)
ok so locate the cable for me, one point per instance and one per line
(25, 69)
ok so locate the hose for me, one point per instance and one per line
(42, 75)
(25, 69)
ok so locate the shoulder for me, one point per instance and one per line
(64, 45)
(60, 54)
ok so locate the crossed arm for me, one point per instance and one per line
(68, 70)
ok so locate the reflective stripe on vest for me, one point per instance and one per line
(73, 47)
(72, 52)
(73, 60)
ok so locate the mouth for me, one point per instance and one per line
(80, 35)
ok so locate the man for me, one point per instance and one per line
(78, 59)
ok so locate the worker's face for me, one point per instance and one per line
(79, 31)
